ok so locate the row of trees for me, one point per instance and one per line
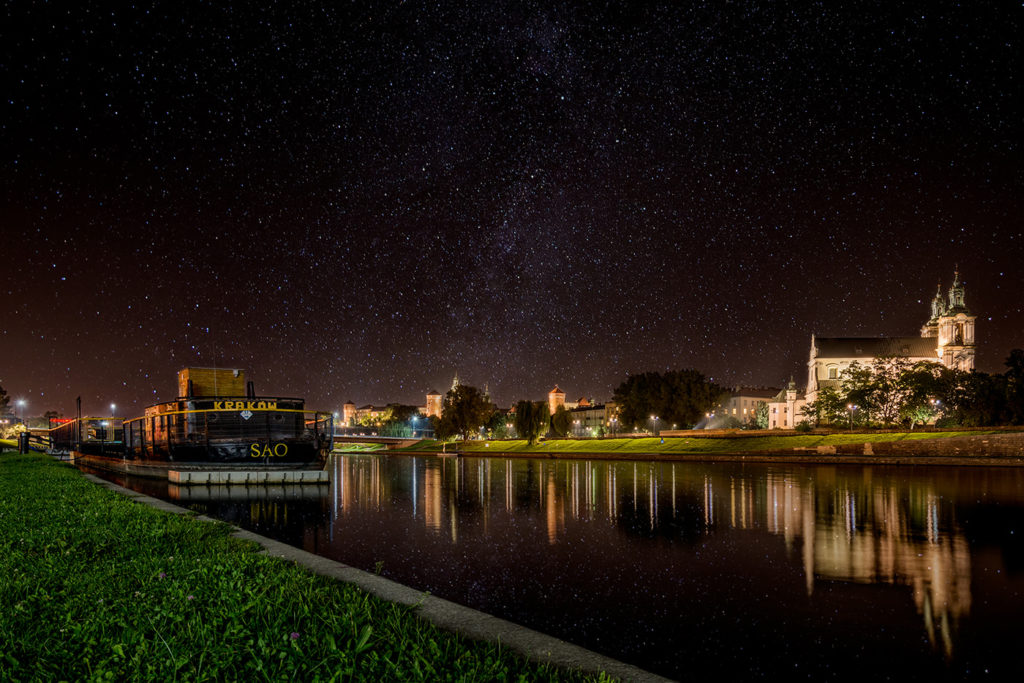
(466, 411)
(681, 398)
(894, 391)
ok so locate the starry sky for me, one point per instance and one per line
(355, 200)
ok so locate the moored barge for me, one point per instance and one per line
(216, 423)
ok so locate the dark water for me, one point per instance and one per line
(745, 571)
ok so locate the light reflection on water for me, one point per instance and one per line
(747, 570)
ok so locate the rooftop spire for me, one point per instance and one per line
(938, 306)
(956, 293)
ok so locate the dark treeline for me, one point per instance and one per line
(677, 399)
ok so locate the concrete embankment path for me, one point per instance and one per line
(447, 615)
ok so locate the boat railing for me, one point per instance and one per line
(91, 435)
(160, 435)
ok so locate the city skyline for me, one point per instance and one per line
(355, 203)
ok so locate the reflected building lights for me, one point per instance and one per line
(859, 530)
(432, 496)
(551, 509)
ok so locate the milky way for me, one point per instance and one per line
(357, 200)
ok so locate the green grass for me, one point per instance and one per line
(345, 447)
(696, 445)
(97, 587)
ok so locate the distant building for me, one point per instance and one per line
(349, 413)
(785, 409)
(370, 413)
(947, 337)
(593, 419)
(434, 403)
(741, 403)
(556, 397)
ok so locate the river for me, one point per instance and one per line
(748, 571)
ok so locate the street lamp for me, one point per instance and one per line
(414, 419)
(851, 407)
(21, 405)
(113, 407)
(654, 418)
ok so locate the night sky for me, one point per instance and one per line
(358, 200)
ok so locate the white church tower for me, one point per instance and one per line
(956, 330)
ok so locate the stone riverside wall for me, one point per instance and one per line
(1005, 449)
(1010, 445)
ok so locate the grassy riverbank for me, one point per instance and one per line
(97, 587)
(732, 444)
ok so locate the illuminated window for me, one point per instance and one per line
(833, 373)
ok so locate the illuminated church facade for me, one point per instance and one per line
(947, 337)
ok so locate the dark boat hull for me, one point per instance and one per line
(256, 453)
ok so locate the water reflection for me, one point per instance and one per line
(746, 570)
(849, 525)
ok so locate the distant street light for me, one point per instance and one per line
(21, 405)
(850, 407)
(113, 407)
(654, 418)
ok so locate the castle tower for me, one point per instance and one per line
(956, 330)
(434, 400)
(556, 397)
(349, 413)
